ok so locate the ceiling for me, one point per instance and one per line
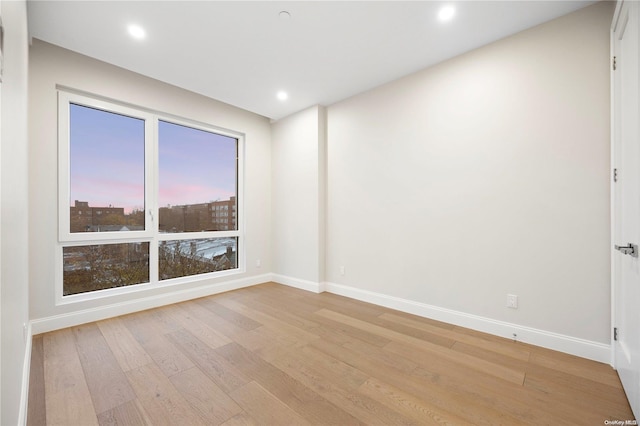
(244, 52)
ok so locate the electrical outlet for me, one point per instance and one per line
(341, 270)
(512, 301)
(258, 263)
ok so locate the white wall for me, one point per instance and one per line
(14, 278)
(485, 175)
(298, 161)
(51, 66)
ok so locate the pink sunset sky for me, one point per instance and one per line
(107, 162)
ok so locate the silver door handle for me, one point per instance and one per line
(630, 249)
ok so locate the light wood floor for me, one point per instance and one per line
(273, 355)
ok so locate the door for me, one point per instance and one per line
(626, 200)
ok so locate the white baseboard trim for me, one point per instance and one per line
(26, 370)
(580, 347)
(298, 283)
(56, 322)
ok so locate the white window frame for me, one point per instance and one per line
(151, 232)
(65, 99)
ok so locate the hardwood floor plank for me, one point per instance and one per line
(211, 402)
(160, 320)
(222, 372)
(242, 419)
(162, 403)
(553, 381)
(380, 355)
(303, 310)
(230, 315)
(199, 329)
(198, 308)
(266, 341)
(127, 414)
(303, 314)
(430, 391)
(493, 356)
(439, 337)
(576, 366)
(340, 333)
(37, 409)
(294, 394)
(124, 346)
(67, 396)
(411, 343)
(489, 390)
(355, 308)
(415, 319)
(281, 311)
(292, 296)
(330, 367)
(580, 392)
(265, 408)
(343, 395)
(410, 406)
(504, 346)
(107, 383)
(372, 328)
(155, 343)
(267, 320)
(563, 394)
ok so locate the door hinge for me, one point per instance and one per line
(615, 65)
(615, 333)
(615, 175)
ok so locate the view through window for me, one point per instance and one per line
(149, 199)
(106, 171)
(197, 192)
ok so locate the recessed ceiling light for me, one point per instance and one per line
(446, 13)
(282, 95)
(136, 31)
(284, 15)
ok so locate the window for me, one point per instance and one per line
(106, 152)
(136, 192)
(101, 266)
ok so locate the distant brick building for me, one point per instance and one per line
(85, 218)
(224, 214)
(213, 216)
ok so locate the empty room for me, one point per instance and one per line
(319, 212)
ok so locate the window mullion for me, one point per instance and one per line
(152, 196)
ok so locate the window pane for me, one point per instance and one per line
(180, 258)
(198, 179)
(106, 171)
(97, 267)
